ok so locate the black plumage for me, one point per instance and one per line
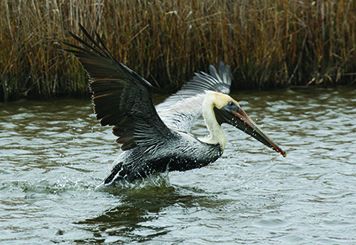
(120, 96)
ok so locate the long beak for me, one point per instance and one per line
(242, 121)
(235, 116)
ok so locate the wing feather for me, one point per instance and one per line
(120, 96)
(181, 110)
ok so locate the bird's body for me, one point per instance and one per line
(159, 139)
(181, 150)
(182, 153)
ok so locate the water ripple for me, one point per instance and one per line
(53, 156)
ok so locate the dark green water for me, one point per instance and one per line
(54, 154)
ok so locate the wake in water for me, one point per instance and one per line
(153, 181)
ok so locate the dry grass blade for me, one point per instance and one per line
(267, 43)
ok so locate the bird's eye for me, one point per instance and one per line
(230, 103)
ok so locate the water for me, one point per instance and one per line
(54, 154)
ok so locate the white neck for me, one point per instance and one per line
(216, 134)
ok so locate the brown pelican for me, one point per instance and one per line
(158, 139)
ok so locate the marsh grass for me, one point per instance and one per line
(270, 43)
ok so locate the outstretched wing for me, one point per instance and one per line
(120, 96)
(180, 110)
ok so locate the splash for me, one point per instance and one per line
(158, 181)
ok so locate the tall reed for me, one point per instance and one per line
(270, 43)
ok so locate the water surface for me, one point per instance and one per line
(54, 154)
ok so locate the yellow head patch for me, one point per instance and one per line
(220, 100)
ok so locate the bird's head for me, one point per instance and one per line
(227, 110)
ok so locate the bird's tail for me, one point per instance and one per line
(126, 172)
(115, 173)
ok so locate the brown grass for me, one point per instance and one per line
(270, 43)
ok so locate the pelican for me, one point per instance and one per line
(159, 139)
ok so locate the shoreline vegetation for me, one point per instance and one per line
(268, 44)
